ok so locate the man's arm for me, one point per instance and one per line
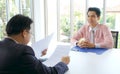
(31, 65)
(108, 39)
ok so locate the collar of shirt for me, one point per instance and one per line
(94, 29)
(12, 39)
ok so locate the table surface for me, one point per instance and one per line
(88, 61)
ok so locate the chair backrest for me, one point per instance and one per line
(115, 37)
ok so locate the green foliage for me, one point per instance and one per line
(65, 23)
(2, 18)
(78, 21)
(12, 9)
(110, 20)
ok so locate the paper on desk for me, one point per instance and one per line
(42, 44)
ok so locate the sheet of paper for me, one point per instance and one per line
(60, 51)
(42, 44)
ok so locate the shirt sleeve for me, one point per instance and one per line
(97, 46)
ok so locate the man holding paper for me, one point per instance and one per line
(18, 58)
(40, 47)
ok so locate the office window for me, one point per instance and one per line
(79, 14)
(113, 16)
(72, 17)
(26, 7)
(3, 18)
(52, 16)
(10, 8)
(64, 20)
(94, 3)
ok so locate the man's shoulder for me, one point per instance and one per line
(103, 26)
(85, 26)
(24, 48)
(16, 46)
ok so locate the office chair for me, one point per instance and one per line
(115, 37)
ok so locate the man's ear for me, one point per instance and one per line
(24, 33)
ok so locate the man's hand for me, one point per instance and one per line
(44, 52)
(85, 44)
(81, 42)
(65, 59)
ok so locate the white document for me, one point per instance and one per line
(60, 51)
(42, 44)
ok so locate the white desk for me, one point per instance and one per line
(89, 62)
(92, 63)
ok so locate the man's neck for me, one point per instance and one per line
(16, 38)
(93, 25)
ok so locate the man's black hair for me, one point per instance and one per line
(17, 24)
(96, 10)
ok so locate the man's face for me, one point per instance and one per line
(92, 17)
